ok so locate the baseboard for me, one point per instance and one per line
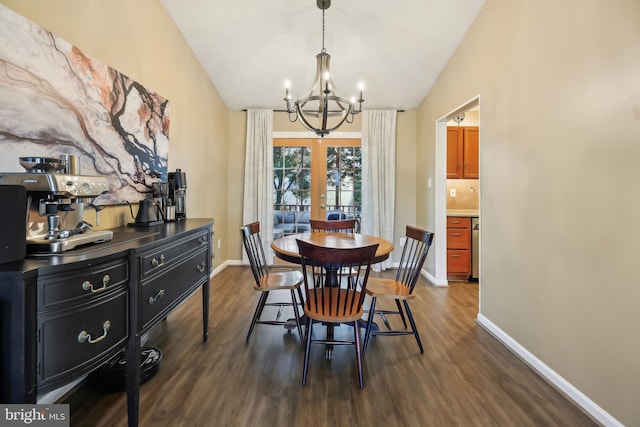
(588, 405)
(433, 281)
(222, 266)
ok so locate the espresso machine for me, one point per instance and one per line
(55, 205)
(178, 193)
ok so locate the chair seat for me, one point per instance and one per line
(389, 288)
(280, 280)
(321, 306)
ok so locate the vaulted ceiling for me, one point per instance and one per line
(249, 48)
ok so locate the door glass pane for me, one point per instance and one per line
(344, 182)
(291, 190)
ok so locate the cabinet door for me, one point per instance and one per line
(454, 152)
(470, 150)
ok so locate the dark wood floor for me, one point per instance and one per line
(464, 378)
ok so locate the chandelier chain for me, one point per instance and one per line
(323, 49)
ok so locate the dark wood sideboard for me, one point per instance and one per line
(63, 316)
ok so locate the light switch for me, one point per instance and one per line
(452, 192)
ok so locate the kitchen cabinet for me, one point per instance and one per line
(463, 152)
(458, 245)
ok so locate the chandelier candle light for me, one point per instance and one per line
(323, 110)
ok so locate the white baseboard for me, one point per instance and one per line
(433, 281)
(549, 374)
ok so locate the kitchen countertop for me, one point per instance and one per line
(463, 212)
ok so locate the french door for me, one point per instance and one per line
(315, 178)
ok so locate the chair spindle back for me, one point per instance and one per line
(414, 254)
(336, 279)
(255, 251)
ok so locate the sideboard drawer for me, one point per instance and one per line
(72, 342)
(163, 293)
(158, 260)
(81, 285)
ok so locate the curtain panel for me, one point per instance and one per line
(258, 176)
(378, 175)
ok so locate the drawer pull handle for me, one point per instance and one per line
(455, 234)
(455, 256)
(201, 267)
(158, 295)
(156, 263)
(202, 240)
(88, 286)
(85, 336)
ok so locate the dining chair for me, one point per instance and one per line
(267, 281)
(401, 289)
(334, 226)
(330, 298)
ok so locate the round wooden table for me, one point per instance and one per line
(286, 248)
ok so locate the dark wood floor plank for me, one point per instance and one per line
(464, 378)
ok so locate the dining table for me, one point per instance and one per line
(286, 248)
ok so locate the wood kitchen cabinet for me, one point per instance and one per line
(463, 152)
(458, 245)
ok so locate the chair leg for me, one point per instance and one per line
(401, 313)
(356, 336)
(413, 325)
(367, 333)
(256, 315)
(296, 313)
(307, 351)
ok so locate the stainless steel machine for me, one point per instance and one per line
(55, 206)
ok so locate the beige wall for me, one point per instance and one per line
(560, 143)
(139, 39)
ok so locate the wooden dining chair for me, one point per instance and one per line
(334, 226)
(267, 281)
(330, 297)
(401, 289)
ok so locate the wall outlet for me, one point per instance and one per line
(403, 240)
(219, 240)
(452, 192)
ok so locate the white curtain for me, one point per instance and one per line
(378, 175)
(258, 176)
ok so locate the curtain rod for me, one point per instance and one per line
(284, 111)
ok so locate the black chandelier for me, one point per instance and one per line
(323, 110)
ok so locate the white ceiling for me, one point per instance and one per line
(249, 48)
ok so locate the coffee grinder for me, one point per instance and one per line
(178, 192)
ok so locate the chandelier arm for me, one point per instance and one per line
(325, 111)
(306, 123)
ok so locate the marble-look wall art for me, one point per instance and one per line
(55, 99)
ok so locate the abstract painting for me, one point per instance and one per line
(55, 99)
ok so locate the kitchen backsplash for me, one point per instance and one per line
(466, 193)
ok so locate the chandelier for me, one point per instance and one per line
(323, 110)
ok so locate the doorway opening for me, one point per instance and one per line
(443, 191)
